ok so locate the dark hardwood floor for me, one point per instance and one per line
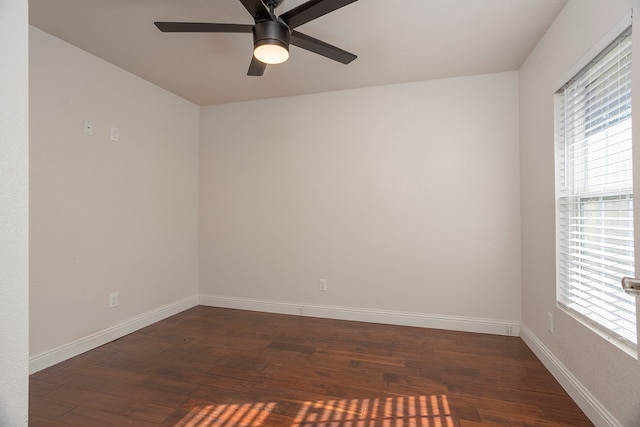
(219, 367)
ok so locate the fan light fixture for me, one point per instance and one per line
(271, 53)
(271, 42)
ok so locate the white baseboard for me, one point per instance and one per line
(592, 408)
(79, 346)
(455, 323)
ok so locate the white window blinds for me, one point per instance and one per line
(595, 193)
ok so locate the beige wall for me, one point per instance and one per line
(608, 373)
(106, 216)
(14, 213)
(404, 197)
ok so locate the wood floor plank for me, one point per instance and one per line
(220, 367)
(48, 408)
(85, 417)
(45, 422)
(38, 388)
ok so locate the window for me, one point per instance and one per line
(594, 193)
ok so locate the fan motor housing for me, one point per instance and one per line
(271, 32)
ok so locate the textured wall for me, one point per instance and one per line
(14, 213)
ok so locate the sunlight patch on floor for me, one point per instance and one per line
(245, 415)
(410, 411)
(402, 411)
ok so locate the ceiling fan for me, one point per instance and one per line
(272, 34)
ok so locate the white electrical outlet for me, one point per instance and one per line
(550, 322)
(322, 285)
(113, 300)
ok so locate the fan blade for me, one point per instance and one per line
(321, 48)
(257, 9)
(256, 68)
(311, 10)
(202, 27)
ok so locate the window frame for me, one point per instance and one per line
(563, 177)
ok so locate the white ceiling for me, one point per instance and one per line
(395, 40)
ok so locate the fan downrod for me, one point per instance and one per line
(272, 5)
